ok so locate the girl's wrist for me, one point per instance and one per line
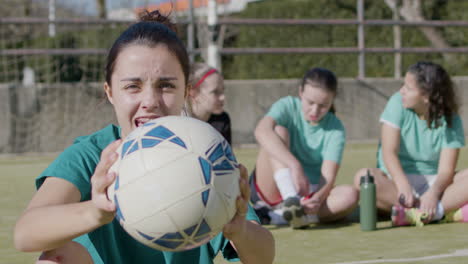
(436, 192)
(96, 216)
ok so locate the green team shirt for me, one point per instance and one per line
(310, 144)
(420, 146)
(111, 243)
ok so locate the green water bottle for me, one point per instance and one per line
(367, 203)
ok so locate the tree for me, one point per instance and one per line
(412, 11)
(102, 10)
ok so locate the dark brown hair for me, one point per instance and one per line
(436, 83)
(153, 29)
(323, 79)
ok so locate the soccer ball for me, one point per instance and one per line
(177, 183)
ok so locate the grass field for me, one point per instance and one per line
(341, 243)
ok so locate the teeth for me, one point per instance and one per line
(142, 121)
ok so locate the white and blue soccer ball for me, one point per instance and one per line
(177, 183)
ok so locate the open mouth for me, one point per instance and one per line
(140, 121)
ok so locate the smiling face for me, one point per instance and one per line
(209, 98)
(412, 96)
(147, 83)
(316, 102)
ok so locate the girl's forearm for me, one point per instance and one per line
(396, 171)
(45, 228)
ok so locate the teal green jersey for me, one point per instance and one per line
(111, 243)
(310, 144)
(420, 146)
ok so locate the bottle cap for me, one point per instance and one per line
(368, 178)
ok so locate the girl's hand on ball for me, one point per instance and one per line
(237, 226)
(101, 179)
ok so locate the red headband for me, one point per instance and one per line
(204, 77)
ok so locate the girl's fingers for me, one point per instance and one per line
(101, 178)
(108, 157)
(244, 183)
(241, 206)
(409, 201)
(100, 182)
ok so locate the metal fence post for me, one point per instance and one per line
(191, 33)
(212, 52)
(361, 40)
(51, 18)
(396, 43)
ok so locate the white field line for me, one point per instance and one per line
(456, 253)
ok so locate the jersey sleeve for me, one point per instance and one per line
(280, 111)
(454, 136)
(335, 145)
(394, 112)
(75, 165)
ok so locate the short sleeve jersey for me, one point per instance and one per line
(111, 243)
(420, 146)
(310, 144)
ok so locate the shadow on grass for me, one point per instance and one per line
(383, 223)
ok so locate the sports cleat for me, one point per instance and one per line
(262, 210)
(402, 216)
(459, 215)
(295, 215)
(292, 208)
(303, 221)
(276, 217)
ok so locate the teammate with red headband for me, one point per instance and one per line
(206, 98)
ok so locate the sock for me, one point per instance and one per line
(439, 212)
(285, 183)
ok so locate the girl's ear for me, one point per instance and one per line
(192, 91)
(108, 91)
(425, 98)
(187, 90)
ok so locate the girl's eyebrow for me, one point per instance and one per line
(165, 79)
(137, 79)
(131, 79)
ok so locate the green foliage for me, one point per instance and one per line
(63, 68)
(90, 68)
(268, 66)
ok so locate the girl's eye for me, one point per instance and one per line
(132, 87)
(168, 85)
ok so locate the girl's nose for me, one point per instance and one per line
(314, 109)
(150, 98)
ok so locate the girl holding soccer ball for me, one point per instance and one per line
(71, 219)
(206, 98)
(421, 138)
(302, 142)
